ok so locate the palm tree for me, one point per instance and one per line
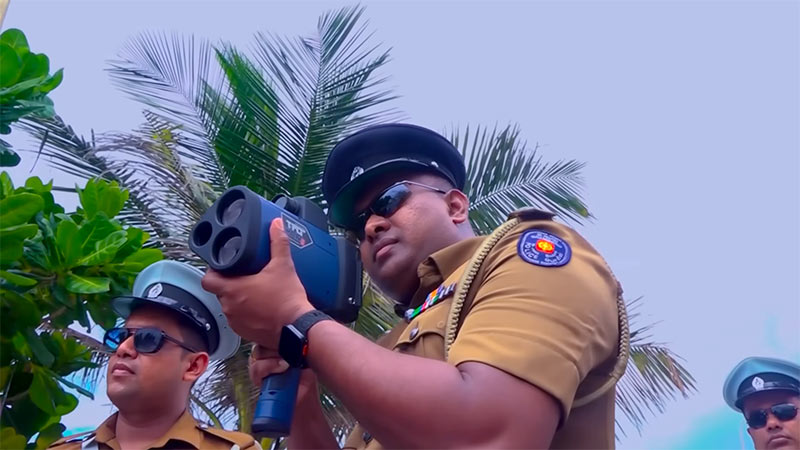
(216, 117)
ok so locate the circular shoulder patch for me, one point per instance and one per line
(541, 248)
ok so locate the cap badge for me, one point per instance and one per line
(357, 170)
(155, 291)
(758, 383)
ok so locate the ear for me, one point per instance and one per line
(198, 363)
(457, 206)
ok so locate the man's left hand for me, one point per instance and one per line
(258, 306)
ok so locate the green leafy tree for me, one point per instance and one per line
(57, 269)
(25, 81)
(217, 117)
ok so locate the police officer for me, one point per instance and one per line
(526, 357)
(767, 392)
(172, 329)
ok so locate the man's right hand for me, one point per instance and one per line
(264, 362)
(310, 429)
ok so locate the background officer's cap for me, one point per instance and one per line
(176, 285)
(757, 374)
(358, 160)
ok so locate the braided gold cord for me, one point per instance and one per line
(622, 357)
(462, 288)
(464, 284)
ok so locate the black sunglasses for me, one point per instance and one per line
(385, 204)
(145, 340)
(783, 412)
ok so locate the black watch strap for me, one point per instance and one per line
(307, 320)
(293, 344)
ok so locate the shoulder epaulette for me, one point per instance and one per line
(80, 437)
(243, 440)
(531, 214)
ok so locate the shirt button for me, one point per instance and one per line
(414, 332)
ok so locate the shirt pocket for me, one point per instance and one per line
(424, 335)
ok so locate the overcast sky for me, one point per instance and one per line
(687, 114)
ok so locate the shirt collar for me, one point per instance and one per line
(106, 432)
(184, 429)
(441, 264)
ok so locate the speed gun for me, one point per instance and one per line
(232, 237)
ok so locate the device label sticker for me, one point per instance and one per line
(297, 232)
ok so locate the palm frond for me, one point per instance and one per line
(72, 154)
(152, 157)
(280, 146)
(654, 376)
(197, 405)
(166, 196)
(504, 175)
(228, 392)
(376, 316)
(169, 74)
(328, 89)
(244, 120)
(339, 418)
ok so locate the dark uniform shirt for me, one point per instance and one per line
(554, 327)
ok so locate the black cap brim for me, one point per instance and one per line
(770, 382)
(355, 162)
(787, 390)
(342, 212)
(198, 316)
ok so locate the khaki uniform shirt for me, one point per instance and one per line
(185, 434)
(554, 327)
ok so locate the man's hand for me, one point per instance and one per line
(310, 429)
(264, 362)
(258, 306)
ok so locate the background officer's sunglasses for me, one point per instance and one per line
(145, 340)
(385, 204)
(783, 412)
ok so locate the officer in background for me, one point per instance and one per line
(767, 392)
(535, 358)
(172, 329)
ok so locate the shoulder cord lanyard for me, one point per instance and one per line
(464, 284)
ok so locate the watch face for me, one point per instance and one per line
(292, 346)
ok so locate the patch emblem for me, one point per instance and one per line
(357, 170)
(541, 248)
(155, 291)
(758, 383)
(296, 231)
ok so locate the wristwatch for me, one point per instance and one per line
(293, 344)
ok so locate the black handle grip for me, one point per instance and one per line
(275, 407)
